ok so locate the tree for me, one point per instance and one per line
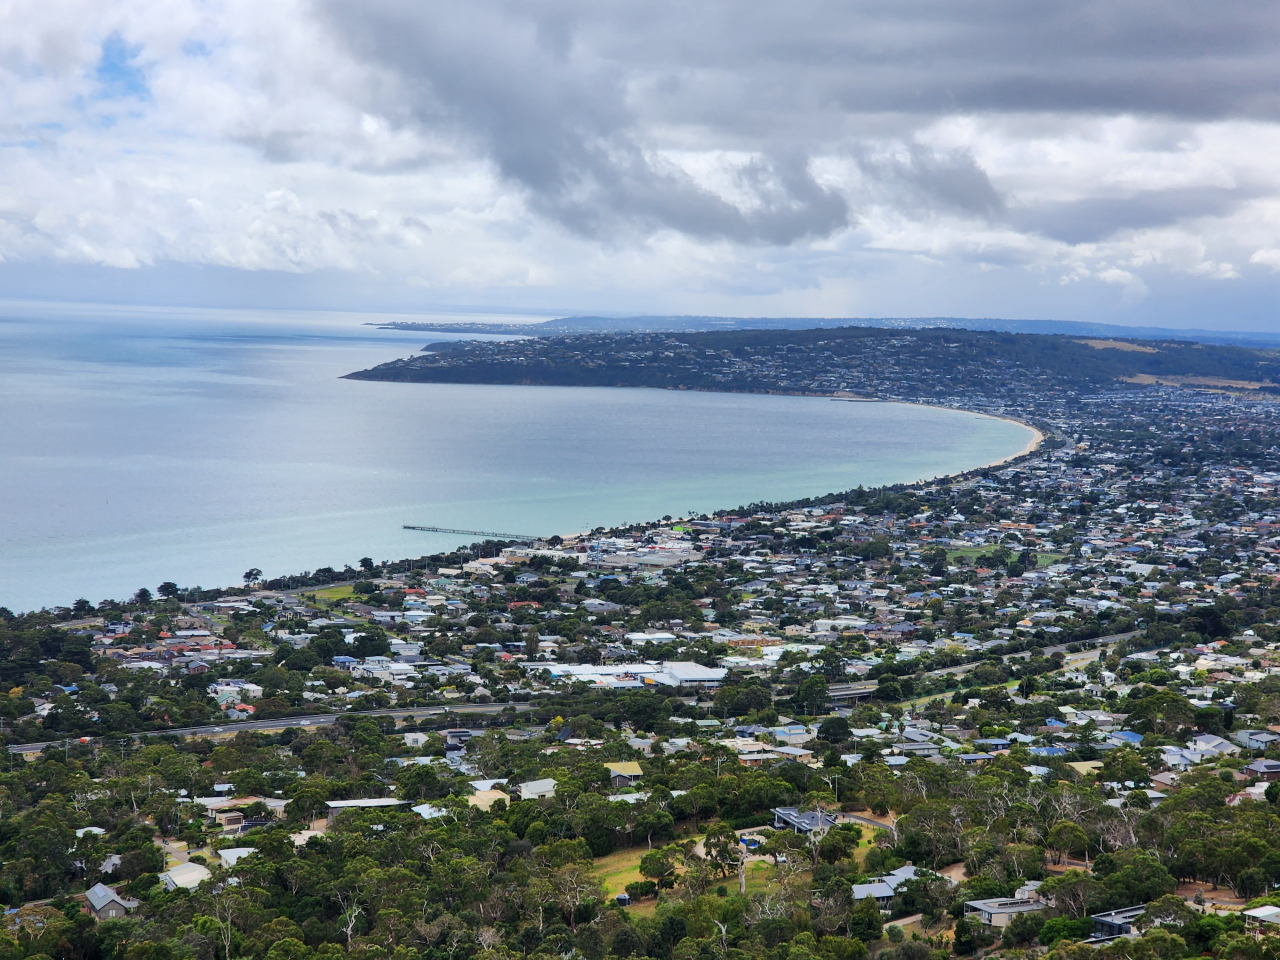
(1022, 929)
(1067, 838)
(658, 865)
(834, 730)
(1070, 892)
(168, 590)
(252, 575)
(840, 843)
(721, 847)
(627, 942)
(969, 936)
(1251, 883)
(1167, 910)
(1163, 713)
(864, 920)
(576, 886)
(1139, 878)
(812, 695)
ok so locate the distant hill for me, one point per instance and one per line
(691, 324)
(941, 365)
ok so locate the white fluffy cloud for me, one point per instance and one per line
(888, 158)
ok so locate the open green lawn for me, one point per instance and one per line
(618, 869)
(1043, 559)
(334, 593)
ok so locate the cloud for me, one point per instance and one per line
(1267, 258)
(663, 157)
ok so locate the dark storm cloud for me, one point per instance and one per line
(923, 181)
(1097, 218)
(572, 100)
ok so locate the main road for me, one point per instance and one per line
(284, 723)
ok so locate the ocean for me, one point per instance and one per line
(142, 445)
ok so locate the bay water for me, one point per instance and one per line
(139, 445)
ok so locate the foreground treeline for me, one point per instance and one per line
(521, 879)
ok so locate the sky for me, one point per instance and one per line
(1111, 161)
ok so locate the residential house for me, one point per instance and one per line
(337, 806)
(811, 822)
(1264, 769)
(537, 789)
(882, 888)
(243, 689)
(185, 875)
(233, 855)
(1256, 739)
(1000, 912)
(1261, 921)
(105, 904)
(624, 774)
(1115, 923)
(794, 754)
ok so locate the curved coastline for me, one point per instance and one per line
(1037, 435)
(1036, 440)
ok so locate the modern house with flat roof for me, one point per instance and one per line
(790, 818)
(1000, 912)
(1115, 923)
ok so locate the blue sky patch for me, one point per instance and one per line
(118, 72)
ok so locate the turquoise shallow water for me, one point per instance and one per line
(143, 446)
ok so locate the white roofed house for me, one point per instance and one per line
(233, 855)
(1000, 911)
(537, 789)
(185, 875)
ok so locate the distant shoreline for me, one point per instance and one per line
(1032, 446)
(1037, 438)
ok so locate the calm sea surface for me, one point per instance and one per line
(138, 446)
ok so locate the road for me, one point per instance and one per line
(284, 723)
(1041, 652)
(1062, 647)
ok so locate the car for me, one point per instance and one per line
(304, 723)
(217, 729)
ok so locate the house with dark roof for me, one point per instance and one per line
(1115, 924)
(105, 904)
(1264, 769)
(790, 818)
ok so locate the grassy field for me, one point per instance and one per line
(618, 869)
(334, 593)
(1043, 559)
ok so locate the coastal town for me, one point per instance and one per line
(1032, 707)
